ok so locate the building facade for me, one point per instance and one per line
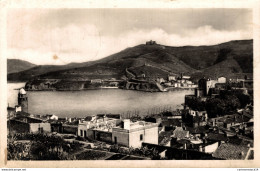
(134, 134)
(105, 124)
(23, 124)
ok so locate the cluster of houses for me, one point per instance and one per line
(182, 81)
(231, 135)
(190, 134)
(211, 87)
(183, 134)
(106, 83)
(110, 128)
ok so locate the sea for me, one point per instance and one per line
(101, 101)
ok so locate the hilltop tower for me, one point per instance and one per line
(23, 100)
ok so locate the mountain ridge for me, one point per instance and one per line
(183, 59)
(17, 65)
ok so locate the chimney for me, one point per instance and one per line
(242, 154)
(200, 148)
(127, 124)
(205, 141)
(185, 146)
(214, 122)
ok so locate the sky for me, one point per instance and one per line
(62, 36)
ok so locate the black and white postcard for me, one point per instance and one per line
(103, 85)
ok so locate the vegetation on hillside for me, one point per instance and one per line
(29, 146)
(229, 59)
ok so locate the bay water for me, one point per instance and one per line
(91, 102)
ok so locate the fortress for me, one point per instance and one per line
(151, 42)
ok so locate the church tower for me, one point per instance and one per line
(23, 100)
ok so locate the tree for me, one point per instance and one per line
(41, 147)
(215, 107)
(232, 103)
(225, 104)
(243, 99)
(155, 154)
(136, 118)
(196, 104)
(145, 151)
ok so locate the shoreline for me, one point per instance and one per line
(166, 89)
(112, 88)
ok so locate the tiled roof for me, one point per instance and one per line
(216, 137)
(171, 122)
(197, 130)
(231, 151)
(21, 113)
(248, 113)
(242, 119)
(235, 118)
(235, 140)
(180, 133)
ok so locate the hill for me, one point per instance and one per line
(228, 68)
(232, 57)
(201, 57)
(17, 65)
(159, 61)
(40, 70)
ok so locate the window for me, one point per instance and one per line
(81, 133)
(115, 140)
(40, 130)
(141, 137)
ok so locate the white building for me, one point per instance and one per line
(51, 117)
(18, 108)
(171, 78)
(222, 80)
(185, 77)
(160, 80)
(133, 134)
(106, 124)
(93, 81)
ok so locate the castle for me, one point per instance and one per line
(151, 42)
